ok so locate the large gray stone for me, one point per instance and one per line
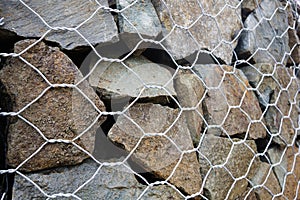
(230, 89)
(110, 182)
(60, 113)
(265, 176)
(139, 18)
(263, 33)
(23, 22)
(115, 80)
(215, 151)
(217, 21)
(190, 91)
(155, 153)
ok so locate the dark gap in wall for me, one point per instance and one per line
(156, 54)
(161, 100)
(104, 148)
(6, 180)
(261, 145)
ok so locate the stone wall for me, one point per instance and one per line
(124, 99)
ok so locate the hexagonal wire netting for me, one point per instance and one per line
(160, 99)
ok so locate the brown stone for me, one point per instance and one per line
(265, 176)
(294, 42)
(213, 18)
(215, 151)
(58, 113)
(277, 85)
(190, 91)
(248, 6)
(156, 153)
(293, 167)
(230, 89)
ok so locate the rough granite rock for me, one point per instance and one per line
(214, 151)
(217, 20)
(265, 176)
(114, 80)
(278, 158)
(226, 88)
(190, 91)
(60, 113)
(157, 154)
(292, 180)
(21, 21)
(294, 41)
(262, 33)
(110, 182)
(278, 86)
(139, 18)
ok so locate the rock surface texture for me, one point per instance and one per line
(182, 21)
(229, 89)
(157, 153)
(150, 99)
(264, 40)
(109, 182)
(215, 151)
(57, 16)
(116, 80)
(190, 92)
(59, 113)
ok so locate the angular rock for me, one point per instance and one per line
(157, 154)
(265, 176)
(196, 15)
(262, 33)
(291, 189)
(287, 169)
(110, 182)
(139, 18)
(114, 80)
(278, 158)
(229, 89)
(21, 21)
(276, 85)
(190, 91)
(294, 41)
(214, 151)
(248, 6)
(60, 113)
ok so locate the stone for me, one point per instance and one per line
(276, 85)
(156, 153)
(229, 89)
(265, 177)
(278, 159)
(182, 20)
(248, 6)
(294, 42)
(55, 112)
(267, 34)
(114, 80)
(140, 18)
(20, 20)
(291, 189)
(214, 151)
(107, 182)
(190, 91)
(286, 170)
